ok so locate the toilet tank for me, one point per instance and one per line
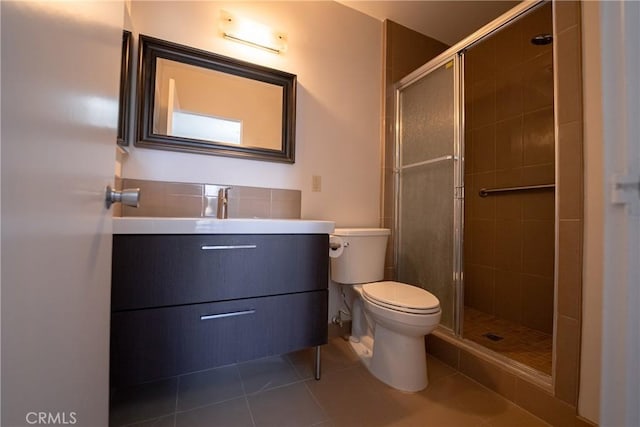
(363, 255)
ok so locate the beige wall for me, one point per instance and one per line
(336, 54)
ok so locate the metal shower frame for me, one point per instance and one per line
(456, 54)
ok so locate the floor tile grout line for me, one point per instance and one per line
(217, 402)
(156, 417)
(244, 394)
(295, 369)
(315, 399)
(246, 398)
(484, 421)
(279, 386)
(244, 389)
(515, 331)
(253, 420)
(210, 404)
(300, 378)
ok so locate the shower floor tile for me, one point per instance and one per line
(528, 346)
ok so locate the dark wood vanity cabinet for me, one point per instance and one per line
(182, 303)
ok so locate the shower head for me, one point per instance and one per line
(542, 39)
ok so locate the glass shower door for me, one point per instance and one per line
(426, 163)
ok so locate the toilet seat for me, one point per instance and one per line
(401, 297)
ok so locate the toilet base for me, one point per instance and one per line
(400, 362)
(363, 348)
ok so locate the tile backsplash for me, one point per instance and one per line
(189, 200)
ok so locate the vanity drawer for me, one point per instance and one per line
(162, 342)
(162, 270)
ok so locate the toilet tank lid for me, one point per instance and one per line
(361, 232)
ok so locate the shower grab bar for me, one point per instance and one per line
(426, 162)
(484, 192)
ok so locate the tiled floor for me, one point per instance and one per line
(525, 345)
(280, 391)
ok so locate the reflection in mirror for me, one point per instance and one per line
(192, 100)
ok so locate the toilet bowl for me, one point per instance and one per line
(390, 319)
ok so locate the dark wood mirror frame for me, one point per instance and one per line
(125, 90)
(151, 49)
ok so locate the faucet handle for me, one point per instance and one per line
(223, 202)
(223, 192)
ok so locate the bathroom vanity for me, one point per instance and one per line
(193, 294)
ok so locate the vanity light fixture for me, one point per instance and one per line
(252, 33)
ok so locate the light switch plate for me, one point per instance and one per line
(316, 183)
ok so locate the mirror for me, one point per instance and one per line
(196, 101)
(125, 89)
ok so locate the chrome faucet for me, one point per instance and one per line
(223, 203)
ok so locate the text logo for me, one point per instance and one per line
(51, 418)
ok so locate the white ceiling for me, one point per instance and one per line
(448, 21)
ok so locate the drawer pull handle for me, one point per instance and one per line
(223, 315)
(225, 247)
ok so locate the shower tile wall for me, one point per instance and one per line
(404, 51)
(509, 137)
(557, 403)
(568, 61)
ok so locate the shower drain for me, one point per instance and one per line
(493, 337)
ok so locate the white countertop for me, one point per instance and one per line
(156, 225)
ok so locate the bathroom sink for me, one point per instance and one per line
(157, 225)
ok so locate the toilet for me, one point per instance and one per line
(389, 319)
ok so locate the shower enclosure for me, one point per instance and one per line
(475, 173)
(426, 165)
